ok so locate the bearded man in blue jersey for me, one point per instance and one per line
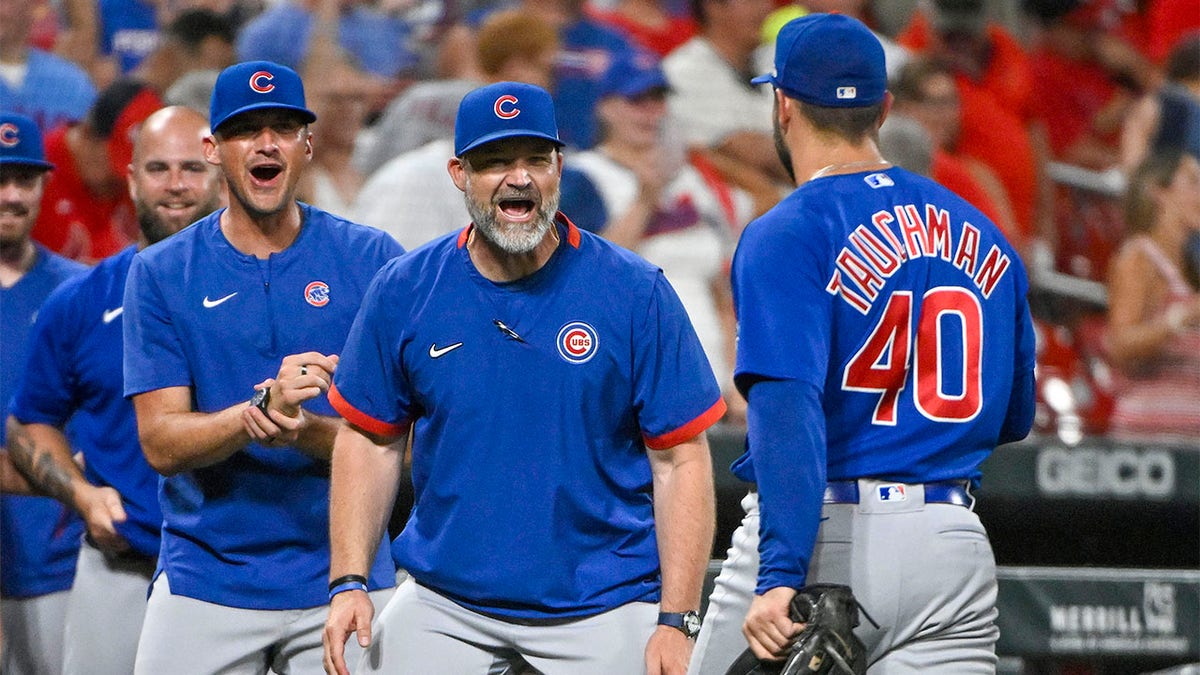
(557, 397)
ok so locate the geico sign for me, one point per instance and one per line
(1119, 473)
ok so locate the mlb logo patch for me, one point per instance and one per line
(878, 180)
(847, 92)
(892, 493)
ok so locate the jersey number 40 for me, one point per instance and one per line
(950, 319)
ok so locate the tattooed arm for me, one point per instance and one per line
(43, 455)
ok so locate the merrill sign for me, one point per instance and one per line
(1146, 629)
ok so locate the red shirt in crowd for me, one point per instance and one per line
(74, 221)
(1070, 93)
(661, 40)
(1167, 21)
(996, 109)
(954, 174)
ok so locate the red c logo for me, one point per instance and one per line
(256, 84)
(8, 135)
(506, 107)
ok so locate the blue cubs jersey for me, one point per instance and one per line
(903, 311)
(39, 536)
(251, 531)
(533, 404)
(74, 373)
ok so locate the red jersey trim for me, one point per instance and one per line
(688, 431)
(572, 231)
(360, 419)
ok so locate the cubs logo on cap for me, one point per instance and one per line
(258, 79)
(506, 107)
(504, 110)
(10, 135)
(577, 342)
(829, 60)
(257, 85)
(21, 142)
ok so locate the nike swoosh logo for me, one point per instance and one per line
(209, 304)
(437, 352)
(110, 314)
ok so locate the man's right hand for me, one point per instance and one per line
(101, 509)
(349, 612)
(301, 377)
(769, 627)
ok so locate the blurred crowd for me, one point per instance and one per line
(1074, 124)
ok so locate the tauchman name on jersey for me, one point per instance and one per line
(873, 254)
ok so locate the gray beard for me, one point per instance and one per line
(514, 239)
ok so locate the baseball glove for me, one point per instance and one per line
(827, 643)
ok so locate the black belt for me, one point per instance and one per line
(946, 492)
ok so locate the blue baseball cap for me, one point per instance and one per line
(829, 60)
(633, 74)
(21, 142)
(256, 85)
(504, 110)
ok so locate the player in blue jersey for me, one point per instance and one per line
(39, 538)
(74, 375)
(232, 330)
(557, 398)
(885, 348)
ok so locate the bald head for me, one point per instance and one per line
(170, 182)
(167, 125)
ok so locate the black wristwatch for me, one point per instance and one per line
(688, 622)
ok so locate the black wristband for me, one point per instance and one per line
(348, 578)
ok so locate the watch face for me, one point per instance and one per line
(261, 398)
(691, 623)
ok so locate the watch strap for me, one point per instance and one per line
(687, 623)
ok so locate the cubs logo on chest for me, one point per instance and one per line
(577, 342)
(316, 293)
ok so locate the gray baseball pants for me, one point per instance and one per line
(421, 631)
(104, 612)
(925, 572)
(185, 636)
